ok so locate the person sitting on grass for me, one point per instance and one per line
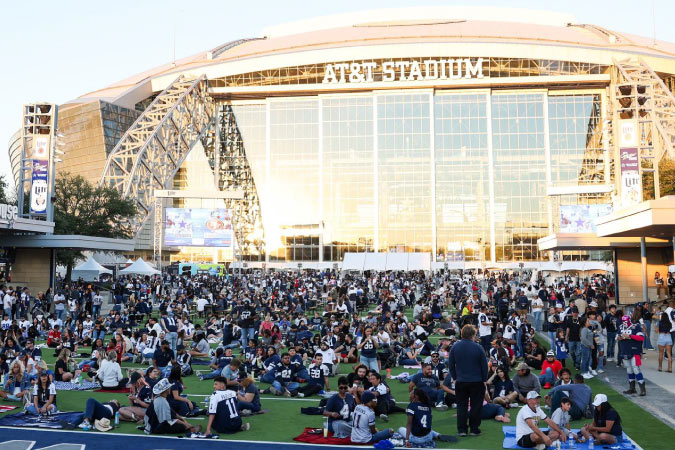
(218, 363)
(525, 382)
(160, 418)
(528, 433)
(180, 403)
(549, 370)
(579, 393)
(285, 378)
(110, 373)
(385, 403)
(248, 397)
(318, 378)
(363, 425)
(95, 410)
(44, 397)
(606, 425)
(139, 398)
(430, 384)
(17, 384)
(223, 410)
(561, 417)
(61, 368)
(503, 393)
(491, 410)
(184, 360)
(338, 410)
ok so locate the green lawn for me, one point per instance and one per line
(284, 420)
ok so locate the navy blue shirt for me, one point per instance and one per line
(170, 324)
(467, 362)
(285, 373)
(162, 358)
(421, 414)
(338, 405)
(425, 383)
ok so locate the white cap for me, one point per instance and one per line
(533, 394)
(599, 399)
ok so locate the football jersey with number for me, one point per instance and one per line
(421, 414)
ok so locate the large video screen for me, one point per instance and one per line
(581, 218)
(198, 227)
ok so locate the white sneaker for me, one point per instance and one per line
(301, 395)
(587, 375)
(540, 447)
(593, 372)
(84, 425)
(384, 417)
(441, 406)
(601, 371)
(610, 359)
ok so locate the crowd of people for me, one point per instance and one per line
(290, 334)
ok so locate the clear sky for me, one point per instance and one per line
(57, 51)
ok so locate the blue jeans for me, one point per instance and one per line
(380, 436)
(292, 386)
(268, 378)
(551, 337)
(246, 335)
(96, 334)
(585, 359)
(611, 341)
(419, 440)
(648, 335)
(574, 352)
(547, 377)
(408, 362)
(250, 406)
(538, 320)
(172, 337)
(490, 411)
(209, 376)
(95, 410)
(95, 311)
(519, 344)
(601, 362)
(60, 314)
(30, 409)
(370, 363)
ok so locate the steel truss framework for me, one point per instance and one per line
(639, 93)
(227, 157)
(156, 145)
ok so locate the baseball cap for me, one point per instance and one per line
(599, 399)
(367, 397)
(161, 386)
(134, 378)
(550, 353)
(594, 304)
(574, 309)
(533, 394)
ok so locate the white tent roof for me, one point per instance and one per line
(90, 265)
(386, 261)
(140, 267)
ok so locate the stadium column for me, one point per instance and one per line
(643, 260)
(491, 176)
(321, 209)
(432, 149)
(376, 188)
(547, 156)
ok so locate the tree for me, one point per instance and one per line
(4, 195)
(84, 209)
(666, 180)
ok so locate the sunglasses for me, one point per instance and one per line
(342, 387)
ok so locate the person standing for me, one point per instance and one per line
(484, 328)
(468, 367)
(573, 336)
(170, 328)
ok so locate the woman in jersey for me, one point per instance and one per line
(368, 347)
(179, 403)
(44, 397)
(418, 430)
(630, 349)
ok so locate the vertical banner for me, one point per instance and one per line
(40, 147)
(631, 182)
(39, 187)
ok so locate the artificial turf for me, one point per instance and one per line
(284, 420)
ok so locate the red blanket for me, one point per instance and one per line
(115, 391)
(315, 436)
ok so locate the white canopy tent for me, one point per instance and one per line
(140, 267)
(386, 261)
(89, 270)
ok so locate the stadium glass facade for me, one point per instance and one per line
(462, 175)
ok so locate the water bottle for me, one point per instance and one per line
(570, 441)
(591, 444)
(325, 427)
(117, 419)
(86, 426)
(79, 379)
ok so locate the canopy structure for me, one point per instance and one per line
(89, 270)
(140, 267)
(386, 261)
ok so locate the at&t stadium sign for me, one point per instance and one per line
(428, 69)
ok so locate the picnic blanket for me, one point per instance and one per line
(5, 408)
(511, 442)
(59, 420)
(315, 436)
(68, 386)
